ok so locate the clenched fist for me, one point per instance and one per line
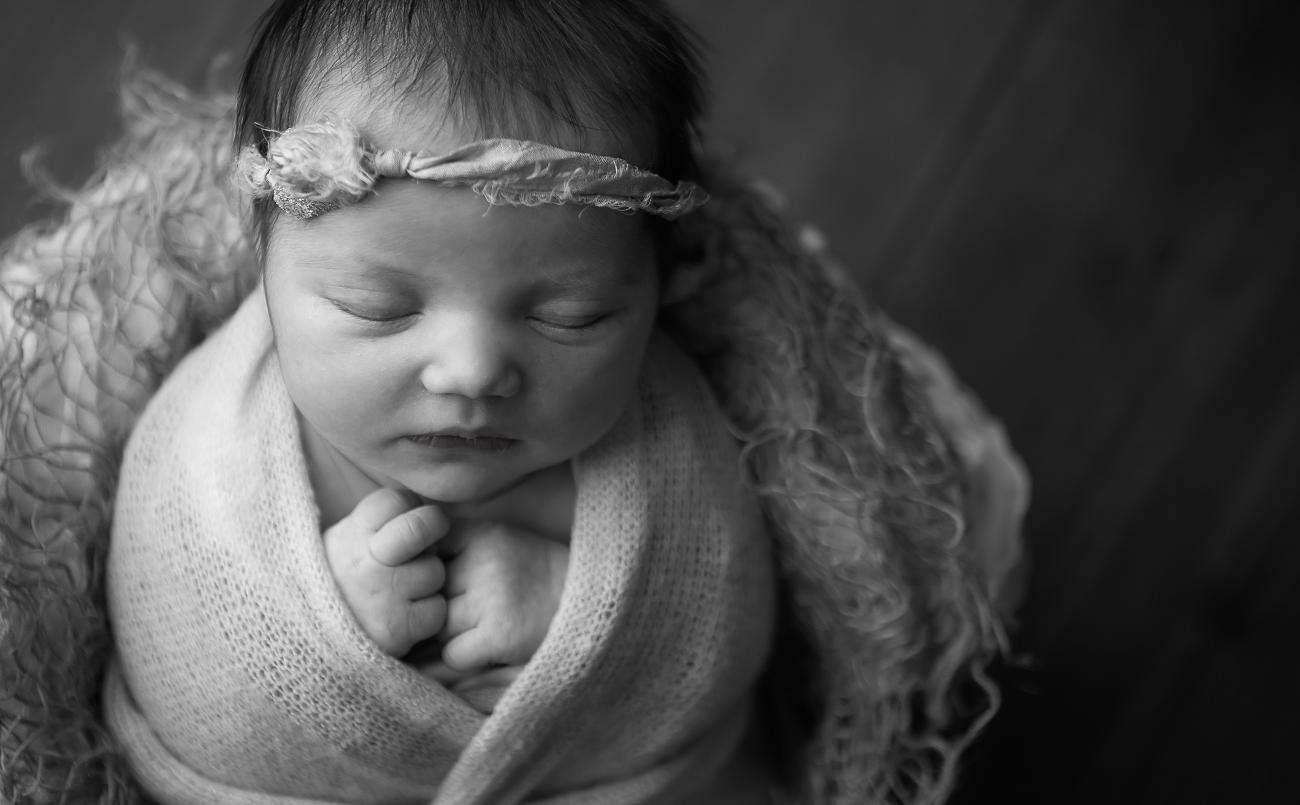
(503, 588)
(383, 561)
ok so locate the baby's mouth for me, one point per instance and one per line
(478, 442)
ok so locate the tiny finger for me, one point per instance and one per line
(461, 617)
(407, 535)
(380, 506)
(425, 618)
(468, 652)
(419, 578)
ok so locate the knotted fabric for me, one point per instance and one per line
(314, 168)
(241, 676)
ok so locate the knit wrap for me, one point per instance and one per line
(241, 675)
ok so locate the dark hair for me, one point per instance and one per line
(527, 69)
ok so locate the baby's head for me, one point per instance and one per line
(420, 314)
(618, 77)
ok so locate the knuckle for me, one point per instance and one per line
(394, 584)
(419, 622)
(388, 543)
(396, 635)
(380, 631)
(406, 532)
(376, 546)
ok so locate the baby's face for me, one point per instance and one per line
(451, 348)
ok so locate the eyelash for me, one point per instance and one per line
(357, 314)
(587, 324)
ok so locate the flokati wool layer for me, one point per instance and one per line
(894, 503)
(95, 309)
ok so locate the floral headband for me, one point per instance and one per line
(313, 169)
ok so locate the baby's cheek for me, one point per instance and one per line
(344, 396)
(592, 414)
(600, 394)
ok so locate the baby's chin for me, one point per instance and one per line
(465, 488)
(461, 494)
(541, 501)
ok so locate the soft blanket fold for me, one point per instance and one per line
(240, 675)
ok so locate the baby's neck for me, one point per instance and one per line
(542, 502)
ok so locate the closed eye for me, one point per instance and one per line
(376, 315)
(568, 324)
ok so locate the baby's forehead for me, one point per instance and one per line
(407, 224)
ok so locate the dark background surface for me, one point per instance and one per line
(1093, 207)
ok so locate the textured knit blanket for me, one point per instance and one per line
(240, 671)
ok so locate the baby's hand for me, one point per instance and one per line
(502, 589)
(382, 561)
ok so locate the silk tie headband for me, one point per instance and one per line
(310, 170)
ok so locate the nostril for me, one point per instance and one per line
(472, 379)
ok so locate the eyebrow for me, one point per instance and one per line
(563, 275)
(362, 267)
(584, 276)
(572, 272)
(343, 262)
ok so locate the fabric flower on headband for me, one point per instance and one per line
(310, 170)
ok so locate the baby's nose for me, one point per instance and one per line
(470, 359)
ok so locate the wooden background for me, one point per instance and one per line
(1093, 207)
